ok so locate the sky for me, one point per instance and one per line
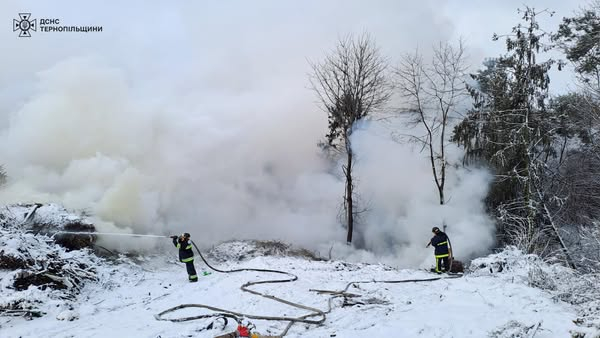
(181, 30)
(196, 116)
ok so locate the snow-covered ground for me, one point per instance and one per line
(503, 295)
(125, 303)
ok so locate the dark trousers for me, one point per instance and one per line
(442, 263)
(191, 270)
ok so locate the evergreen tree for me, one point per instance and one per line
(511, 129)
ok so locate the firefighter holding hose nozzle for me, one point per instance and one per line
(186, 254)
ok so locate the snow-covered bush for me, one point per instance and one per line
(584, 246)
(35, 270)
(53, 220)
(514, 329)
(242, 250)
(510, 263)
(562, 283)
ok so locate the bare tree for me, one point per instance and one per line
(433, 93)
(350, 83)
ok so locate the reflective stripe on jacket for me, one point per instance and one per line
(186, 254)
(440, 243)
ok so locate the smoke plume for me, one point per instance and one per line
(197, 118)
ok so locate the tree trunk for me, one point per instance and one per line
(443, 155)
(349, 188)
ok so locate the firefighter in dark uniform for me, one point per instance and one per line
(186, 254)
(442, 252)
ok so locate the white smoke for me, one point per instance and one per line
(197, 118)
(88, 142)
(396, 186)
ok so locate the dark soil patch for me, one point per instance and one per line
(12, 263)
(24, 280)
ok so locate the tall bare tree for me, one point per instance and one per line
(433, 91)
(351, 83)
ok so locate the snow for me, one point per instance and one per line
(46, 213)
(26, 254)
(125, 302)
(508, 294)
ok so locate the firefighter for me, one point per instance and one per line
(442, 252)
(186, 254)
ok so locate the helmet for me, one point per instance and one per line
(185, 235)
(435, 229)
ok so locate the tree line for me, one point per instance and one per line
(543, 150)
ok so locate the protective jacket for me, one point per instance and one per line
(186, 254)
(440, 243)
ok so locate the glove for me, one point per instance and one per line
(173, 237)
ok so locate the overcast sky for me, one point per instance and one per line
(167, 37)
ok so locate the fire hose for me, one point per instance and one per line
(291, 320)
(318, 316)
